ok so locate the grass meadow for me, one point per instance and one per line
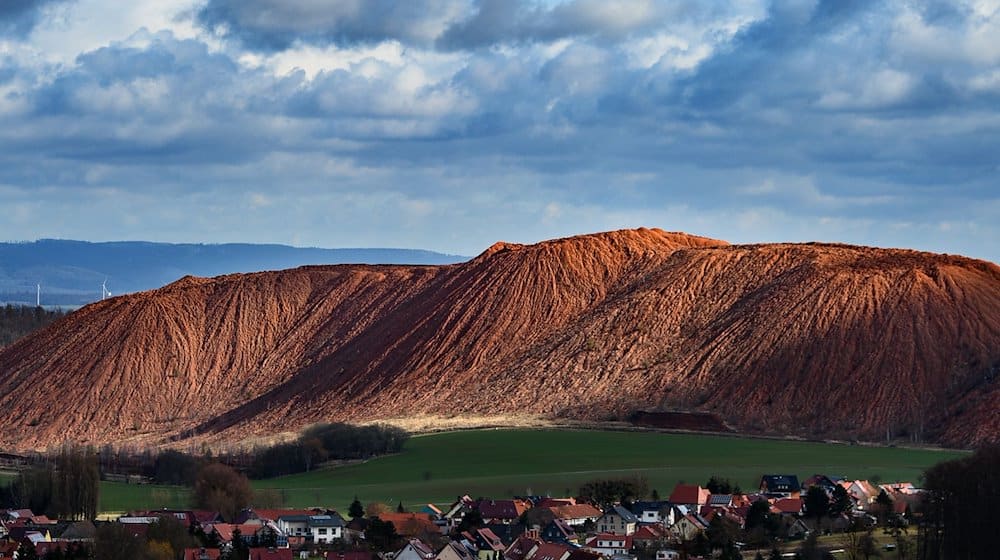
(500, 463)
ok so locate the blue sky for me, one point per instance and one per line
(451, 124)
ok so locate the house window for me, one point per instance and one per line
(322, 531)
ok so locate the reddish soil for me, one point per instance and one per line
(814, 340)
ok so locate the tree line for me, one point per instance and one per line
(17, 321)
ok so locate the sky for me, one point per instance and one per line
(451, 124)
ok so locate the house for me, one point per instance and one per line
(583, 554)
(455, 551)
(688, 527)
(506, 532)
(488, 543)
(249, 515)
(667, 554)
(226, 531)
(609, 544)
(502, 511)
(349, 555)
(202, 553)
(575, 515)
(549, 551)
(558, 531)
(780, 486)
(689, 495)
(457, 512)
(413, 525)
(721, 500)
(415, 549)
(828, 483)
(788, 506)
(863, 493)
(519, 549)
(271, 554)
(649, 536)
(651, 512)
(617, 519)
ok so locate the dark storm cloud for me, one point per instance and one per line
(19, 17)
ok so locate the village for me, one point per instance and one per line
(780, 518)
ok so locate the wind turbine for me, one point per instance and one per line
(38, 295)
(105, 293)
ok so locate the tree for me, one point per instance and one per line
(606, 492)
(809, 549)
(960, 516)
(655, 495)
(718, 485)
(174, 467)
(817, 502)
(170, 531)
(474, 520)
(381, 535)
(240, 550)
(375, 509)
(883, 504)
(220, 488)
(842, 502)
(66, 488)
(722, 532)
(113, 542)
(356, 510)
(400, 508)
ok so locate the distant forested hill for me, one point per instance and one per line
(71, 272)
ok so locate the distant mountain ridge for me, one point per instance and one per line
(71, 272)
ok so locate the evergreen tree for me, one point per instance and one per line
(356, 510)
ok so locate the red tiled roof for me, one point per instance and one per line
(271, 554)
(195, 553)
(576, 511)
(491, 539)
(691, 494)
(649, 532)
(550, 551)
(225, 530)
(521, 547)
(502, 509)
(556, 502)
(411, 524)
(788, 505)
(349, 555)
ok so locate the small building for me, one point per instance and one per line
(619, 520)
(780, 486)
(609, 544)
(691, 495)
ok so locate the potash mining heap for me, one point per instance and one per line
(814, 340)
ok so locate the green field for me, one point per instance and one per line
(437, 468)
(500, 463)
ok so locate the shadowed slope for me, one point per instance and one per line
(806, 339)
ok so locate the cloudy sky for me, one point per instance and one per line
(450, 124)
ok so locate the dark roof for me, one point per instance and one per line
(639, 507)
(501, 509)
(780, 483)
(622, 512)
